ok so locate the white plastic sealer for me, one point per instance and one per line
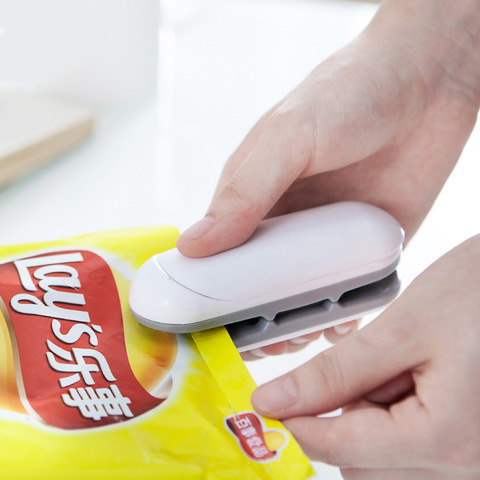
(299, 273)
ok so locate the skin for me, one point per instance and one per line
(412, 410)
(366, 125)
(384, 121)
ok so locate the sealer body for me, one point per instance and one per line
(288, 279)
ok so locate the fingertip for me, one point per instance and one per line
(339, 332)
(276, 398)
(217, 232)
(306, 433)
(278, 348)
(306, 339)
(253, 355)
(188, 242)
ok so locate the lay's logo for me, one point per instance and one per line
(66, 324)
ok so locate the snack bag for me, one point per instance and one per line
(88, 392)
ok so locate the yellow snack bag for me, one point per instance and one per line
(88, 392)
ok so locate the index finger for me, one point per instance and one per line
(279, 156)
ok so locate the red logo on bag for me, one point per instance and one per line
(250, 432)
(68, 327)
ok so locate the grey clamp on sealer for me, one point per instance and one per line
(299, 273)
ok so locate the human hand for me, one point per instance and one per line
(382, 121)
(332, 334)
(408, 383)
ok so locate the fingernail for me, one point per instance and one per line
(342, 330)
(299, 341)
(276, 396)
(197, 230)
(258, 352)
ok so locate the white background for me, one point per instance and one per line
(221, 64)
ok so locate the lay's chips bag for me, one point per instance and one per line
(87, 392)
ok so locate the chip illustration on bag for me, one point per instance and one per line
(112, 398)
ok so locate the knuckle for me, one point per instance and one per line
(330, 375)
(295, 121)
(234, 194)
(239, 197)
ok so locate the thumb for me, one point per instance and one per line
(272, 158)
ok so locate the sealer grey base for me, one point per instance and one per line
(314, 317)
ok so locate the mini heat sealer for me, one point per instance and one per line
(299, 273)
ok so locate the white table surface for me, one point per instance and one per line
(222, 64)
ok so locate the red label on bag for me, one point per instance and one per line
(249, 430)
(67, 321)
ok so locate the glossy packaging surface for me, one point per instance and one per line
(88, 392)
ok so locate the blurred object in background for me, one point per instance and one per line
(59, 60)
(101, 52)
(35, 130)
